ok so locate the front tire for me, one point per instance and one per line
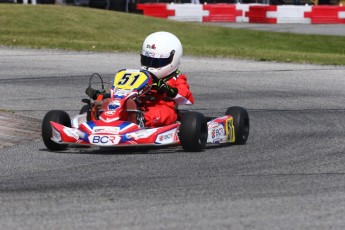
(241, 124)
(57, 116)
(193, 132)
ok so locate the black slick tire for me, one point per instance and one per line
(241, 124)
(193, 132)
(57, 116)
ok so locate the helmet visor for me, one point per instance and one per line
(156, 62)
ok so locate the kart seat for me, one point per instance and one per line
(132, 110)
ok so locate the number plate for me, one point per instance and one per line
(130, 79)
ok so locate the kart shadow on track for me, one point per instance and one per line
(150, 150)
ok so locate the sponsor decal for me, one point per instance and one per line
(106, 129)
(230, 131)
(105, 140)
(153, 46)
(120, 93)
(141, 134)
(56, 135)
(109, 113)
(149, 54)
(166, 137)
(216, 134)
(71, 133)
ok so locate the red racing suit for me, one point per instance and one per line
(161, 110)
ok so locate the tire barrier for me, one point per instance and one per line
(244, 8)
(221, 13)
(158, 10)
(262, 14)
(293, 14)
(187, 12)
(327, 15)
(251, 13)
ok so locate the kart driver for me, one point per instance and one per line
(161, 56)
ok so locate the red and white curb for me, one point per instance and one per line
(250, 13)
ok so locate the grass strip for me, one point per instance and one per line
(79, 28)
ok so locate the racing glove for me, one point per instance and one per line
(162, 87)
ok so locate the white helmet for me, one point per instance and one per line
(161, 54)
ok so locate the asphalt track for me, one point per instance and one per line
(290, 174)
(316, 29)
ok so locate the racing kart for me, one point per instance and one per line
(117, 121)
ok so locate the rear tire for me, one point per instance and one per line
(86, 109)
(241, 124)
(193, 132)
(57, 116)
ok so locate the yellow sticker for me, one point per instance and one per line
(230, 130)
(130, 79)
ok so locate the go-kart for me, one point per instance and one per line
(117, 121)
